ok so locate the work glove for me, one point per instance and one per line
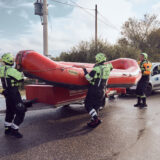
(85, 71)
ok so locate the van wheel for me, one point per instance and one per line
(149, 90)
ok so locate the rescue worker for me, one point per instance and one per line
(15, 109)
(145, 67)
(97, 84)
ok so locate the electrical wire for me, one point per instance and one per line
(80, 7)
(106, 22)
(66, 3)
(84, 9)
(76, 5)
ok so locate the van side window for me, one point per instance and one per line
(156, 70)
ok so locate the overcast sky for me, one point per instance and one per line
(20, 29)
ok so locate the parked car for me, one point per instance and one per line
(154, 81)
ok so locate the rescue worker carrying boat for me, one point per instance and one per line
(15, 109)
(145, 67)
(97, 84)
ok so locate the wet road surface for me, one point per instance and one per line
(126, 133)
(2, 103)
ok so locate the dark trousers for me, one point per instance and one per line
(13, 98)
(94, 98)
(142, 86)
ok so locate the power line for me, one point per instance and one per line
(74, 4)
(110, 25)
(66, 3)
(107, 22)
(84, 9)
(81, 6)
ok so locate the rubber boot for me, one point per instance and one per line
(144, 103)
(7, 130)
(16, 133)
(94, 122)
(138, 102)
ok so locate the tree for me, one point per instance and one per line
(136, 32)
(85, 51)
(153, 42)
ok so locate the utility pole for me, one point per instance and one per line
(96, 27)
(45, 28)
(41, 9)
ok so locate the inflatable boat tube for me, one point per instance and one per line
(70, 75)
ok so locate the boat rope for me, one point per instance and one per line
(46, 70)
(51, 69)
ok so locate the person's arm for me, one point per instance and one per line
(111, 66)
(15, 74)
(89, 76)
(85, 71)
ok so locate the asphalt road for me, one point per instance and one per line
(126, 133)
(2, 103)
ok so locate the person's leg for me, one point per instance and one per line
(95, 121)
(7, 127)
(143, 97)
(139, 94)
(19, 114)
(138, 101)
(89, 107)
(144, 104)
(92, 105)
(9, 115)
(103, 100)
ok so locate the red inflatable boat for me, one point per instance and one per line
(70, 75)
